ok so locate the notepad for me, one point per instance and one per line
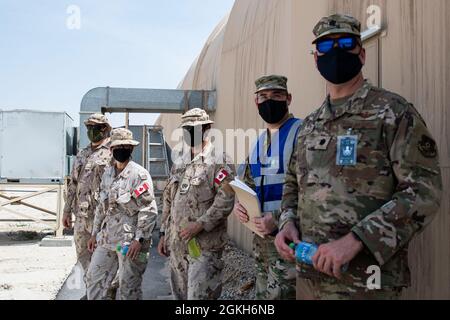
(249, 200)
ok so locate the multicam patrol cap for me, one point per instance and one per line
(272, 82)
(122, 137)
(97, 118)
(335, 24)
(195, 117)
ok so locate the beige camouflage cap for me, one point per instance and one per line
(195, 117)
(97, 118)
(122, 137)
(272, 82)
(336, 24)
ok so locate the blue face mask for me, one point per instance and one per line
(339, 66)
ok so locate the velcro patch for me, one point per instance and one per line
(221, 176)
(141, 189)
(143, 176)
(428, 147)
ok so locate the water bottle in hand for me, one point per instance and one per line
(304, 252)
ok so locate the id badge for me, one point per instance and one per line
(347, 148)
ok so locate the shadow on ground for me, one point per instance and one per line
(155, 284)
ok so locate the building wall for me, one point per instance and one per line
(410, 57)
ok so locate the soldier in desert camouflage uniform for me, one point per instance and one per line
(126, 216)
(197, 203)
(275, 278)
(81, 194)
(364, 178)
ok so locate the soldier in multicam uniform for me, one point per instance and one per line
(275, 278)
(197, 203)
(81, 194)
(363, 180)
(125, 217)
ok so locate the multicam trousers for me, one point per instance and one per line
(275, 278)
(329, 290)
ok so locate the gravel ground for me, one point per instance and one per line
(239, 274)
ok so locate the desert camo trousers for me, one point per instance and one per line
(104, 267)
(82, 230)
(196, 279)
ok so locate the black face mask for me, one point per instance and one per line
(193, 136)
(339, 66)
(273, 111)
(122, 154)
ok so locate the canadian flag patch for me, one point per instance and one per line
(221, 176)
(141, 189)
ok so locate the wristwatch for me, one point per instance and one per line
(140, 240)
(162, 234)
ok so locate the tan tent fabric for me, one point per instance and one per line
(274, 36)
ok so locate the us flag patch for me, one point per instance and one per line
(222, 175)
(141, 189)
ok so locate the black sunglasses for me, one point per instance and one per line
(345, 43)
(95, 127)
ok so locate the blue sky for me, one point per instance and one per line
(136, 44)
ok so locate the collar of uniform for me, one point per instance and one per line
(106, 143)
(125, 172)
(354, 105)
(356, 102)
(205, 154)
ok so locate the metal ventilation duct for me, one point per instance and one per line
(142, 101)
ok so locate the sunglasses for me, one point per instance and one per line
(95, 127)
(345, 43)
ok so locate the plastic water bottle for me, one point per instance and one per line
(194, 249)
(304, 252)
(142, 257)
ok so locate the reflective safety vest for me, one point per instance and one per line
(269, 168)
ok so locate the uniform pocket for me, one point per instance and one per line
(123, 198)
(202, 188)
(320, 152)
(372, 175)
(127, 203)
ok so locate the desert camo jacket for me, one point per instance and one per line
(199, 191)
(82, 194)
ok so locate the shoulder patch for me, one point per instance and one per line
(221, 176)
(141, 189)
(427, 147)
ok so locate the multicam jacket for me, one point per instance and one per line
(391, 194)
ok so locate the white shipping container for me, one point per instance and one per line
(35, 146)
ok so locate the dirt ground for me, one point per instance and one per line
(28, 271)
